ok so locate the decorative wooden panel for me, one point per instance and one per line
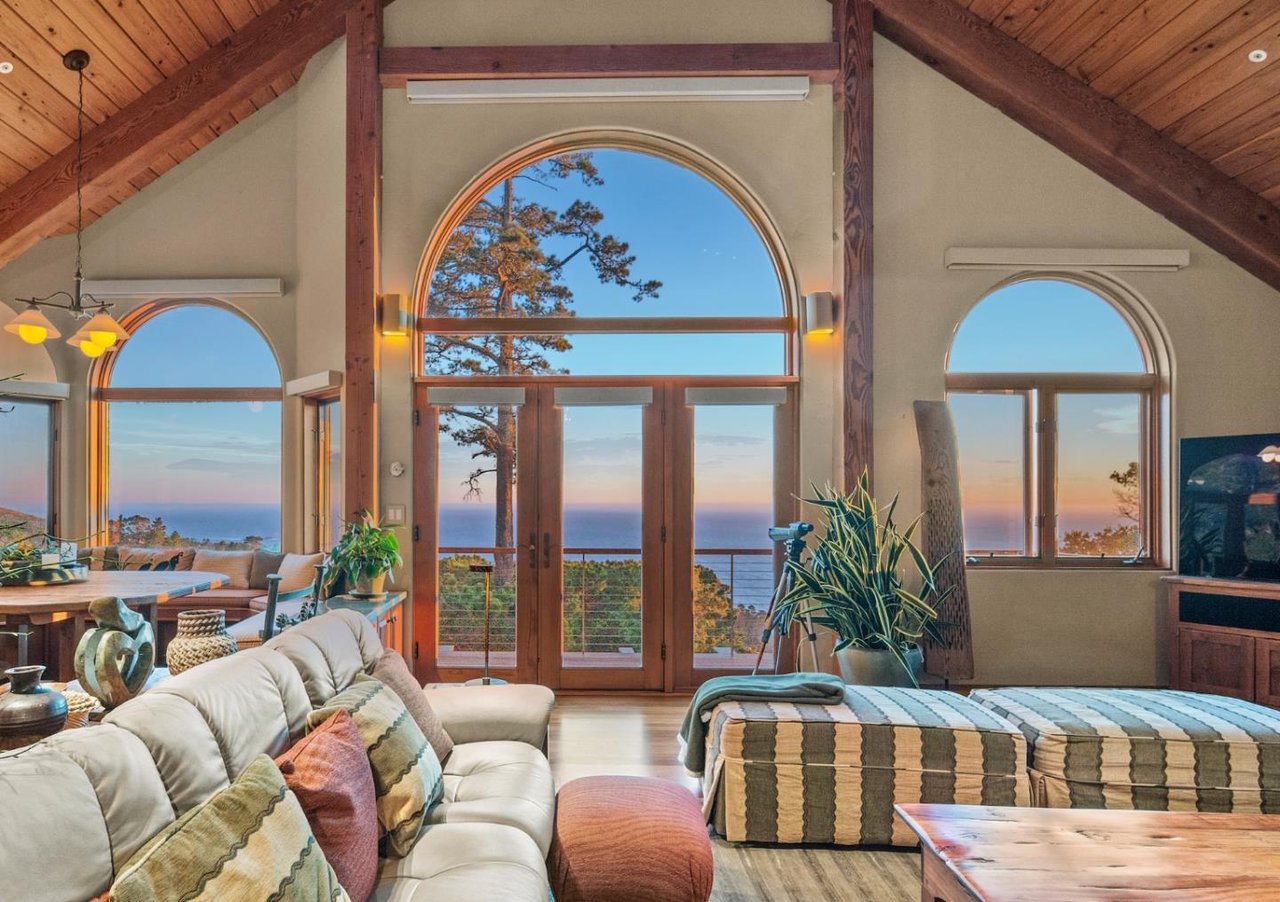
(1220, 663)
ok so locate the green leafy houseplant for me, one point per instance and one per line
(366, 554)
(865, 580)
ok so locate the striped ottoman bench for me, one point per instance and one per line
(1152, 749)
(787, 773)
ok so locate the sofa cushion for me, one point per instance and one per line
(263, 565)
(392, 670)
(235, 565)
(203, 727)
(479, 713)
(467, 861)
(329, 772)
(406, 773)
(248, 841)
(297, 571)
(329, 651)
(499, 783)
(157, 559)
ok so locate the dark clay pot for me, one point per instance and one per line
(29, 711)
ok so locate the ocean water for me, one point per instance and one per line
(215, 522)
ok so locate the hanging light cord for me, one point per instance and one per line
(79, 173)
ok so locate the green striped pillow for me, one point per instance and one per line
(248, 841)
(407, 778)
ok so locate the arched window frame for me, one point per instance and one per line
(1040, 392)
(608, 139)
(101, 393)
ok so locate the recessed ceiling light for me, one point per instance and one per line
(6, 67)
(1258, 56)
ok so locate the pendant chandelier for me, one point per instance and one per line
(97, 331)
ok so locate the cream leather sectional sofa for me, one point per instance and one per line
(75, 807)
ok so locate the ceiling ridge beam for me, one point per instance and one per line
(128, 142)
(1091, 129)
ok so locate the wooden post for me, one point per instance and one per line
(853, 27)
(364, 176)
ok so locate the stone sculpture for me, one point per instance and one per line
(116, 657)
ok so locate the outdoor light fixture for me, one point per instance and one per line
(819, 313)
(101, 332)
(393, 315)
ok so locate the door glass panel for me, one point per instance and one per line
(477, 527)
(733, 567)
(991, 434)
(1099, 475)
(24, 482)
(603, 587)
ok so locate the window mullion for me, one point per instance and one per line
(1047, 481)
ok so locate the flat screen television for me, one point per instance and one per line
(1229, 507)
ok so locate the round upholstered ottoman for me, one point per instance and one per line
(625, 839)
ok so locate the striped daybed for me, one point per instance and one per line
(1153, 749)
(787, 773)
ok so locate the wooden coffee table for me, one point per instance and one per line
(1066, 855)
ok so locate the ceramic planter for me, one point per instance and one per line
(369, 586)
(29, 711)
(879, 667)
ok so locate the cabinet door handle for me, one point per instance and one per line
(546, 549)
(533, 551)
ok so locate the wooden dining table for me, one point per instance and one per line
(25, 607)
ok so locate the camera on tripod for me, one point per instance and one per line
(793, 532)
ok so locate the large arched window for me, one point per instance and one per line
(1056, 396)
(189, 435)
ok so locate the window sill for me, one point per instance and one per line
(1023, 564)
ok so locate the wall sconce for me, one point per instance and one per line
(393, 315)
(819, 313)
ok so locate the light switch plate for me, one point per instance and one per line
(395, 515)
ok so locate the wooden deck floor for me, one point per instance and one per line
(637, 735)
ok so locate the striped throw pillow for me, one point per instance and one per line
(248, 841)
(407, 778)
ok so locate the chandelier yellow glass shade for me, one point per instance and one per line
(88, 347)
(32, 326)
(103, 330)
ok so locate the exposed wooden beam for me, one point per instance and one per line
(853, 26)
(363, 189)
(1089, 128)
(402, 64)
(177, 108)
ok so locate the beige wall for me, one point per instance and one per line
(267, 200)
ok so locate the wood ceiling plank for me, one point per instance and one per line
(1178, 68)
(20, 147)
(174, 21)
(1180, 32)
(47, 100)
(1272, 194)
(114, 40)
(1253, 153)
(1094, 131)
(1231, 119)
(209, 19)
(39, 130)
(11, 170)
(1149, 17)
(987, 9)
(142, 27)
(238, 13)
(28, 50)
(1053, 21)
(1090, 28)
(1262, 178)
(1019, 14)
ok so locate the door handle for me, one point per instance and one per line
(546, 549)
(533, 551)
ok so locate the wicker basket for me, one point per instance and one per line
(202, 636)
(79, 706)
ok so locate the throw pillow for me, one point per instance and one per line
(235, 565)
(407, 778)
(329, 772)
(297, 571)
(153, 559)
(264, 564)
(394, 673)
(248, 841)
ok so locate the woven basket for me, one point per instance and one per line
(79, 706)
(202, 636)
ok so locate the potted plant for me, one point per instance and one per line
(870, 584)
(366, 554)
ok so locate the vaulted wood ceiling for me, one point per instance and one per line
(134, 45)
(1180, 65)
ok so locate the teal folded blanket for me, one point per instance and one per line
(796, 688)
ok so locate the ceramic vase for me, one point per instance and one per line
(202, 636)
(369, 586)
(879, 667)
(29, 711)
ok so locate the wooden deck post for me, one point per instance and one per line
(364, 176)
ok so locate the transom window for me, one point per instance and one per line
(1057, 403)
(190, 431)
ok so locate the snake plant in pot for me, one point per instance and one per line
(366, 554)
(868, 582)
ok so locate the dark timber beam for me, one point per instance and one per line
(231, 71)
(363, 189)
(853, 27)
(402, 64)
(1089, 128)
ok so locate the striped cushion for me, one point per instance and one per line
(406, 772)
(1153, 749)
(248, 841)
(832, 773)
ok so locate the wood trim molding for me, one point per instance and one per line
(175, 109)
(400, 65)
(363, 188)
(1090, 129)
(189, 394)
(853, 25)
(317, 385)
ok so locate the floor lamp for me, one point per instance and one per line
(486, 680)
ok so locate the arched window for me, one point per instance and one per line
(1056, 396)
(190, 432)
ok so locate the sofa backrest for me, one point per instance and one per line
(329, 651)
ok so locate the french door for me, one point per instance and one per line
(571, 508)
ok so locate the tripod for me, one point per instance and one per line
(793, 537)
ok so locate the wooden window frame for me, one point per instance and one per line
(318, 454)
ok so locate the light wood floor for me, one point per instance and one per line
(637, 735)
